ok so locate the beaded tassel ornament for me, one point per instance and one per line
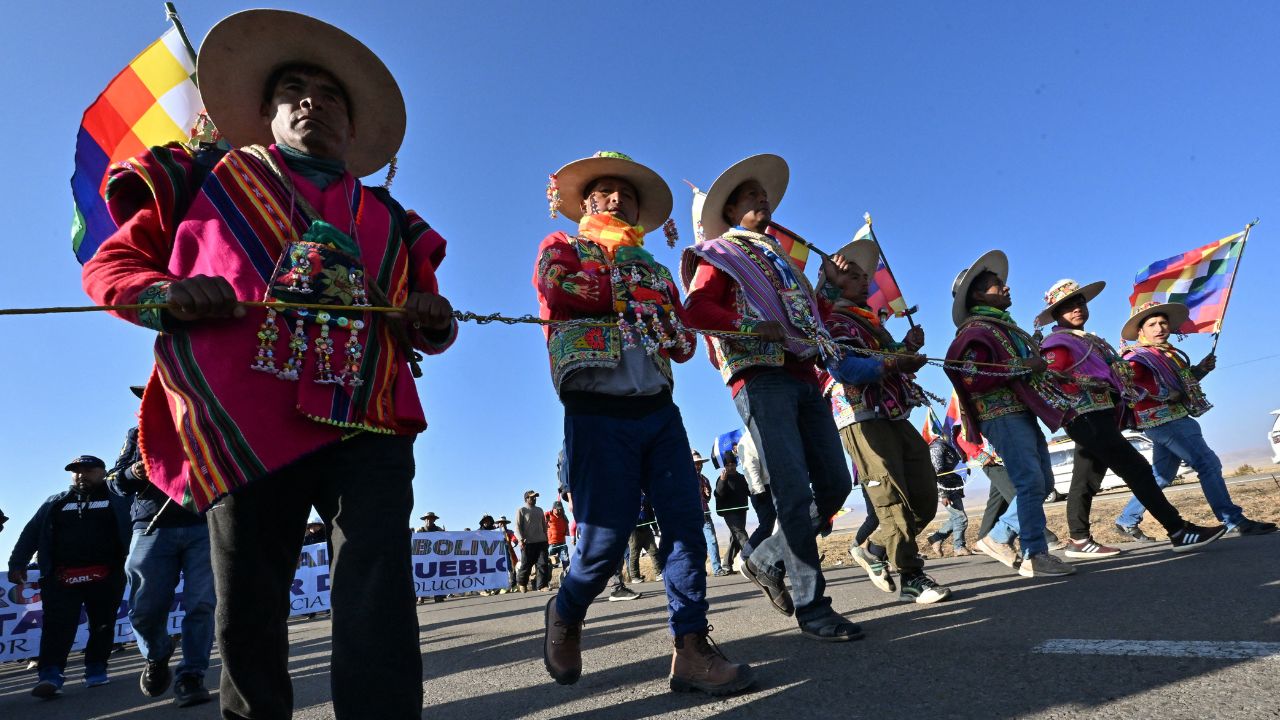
(324, 353)
(553, 195)
(669, 229)
(359, 297)
(268, 334)
(353, 353)
(297, 352)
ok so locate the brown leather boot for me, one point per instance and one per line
(562, 647)
(698, 664)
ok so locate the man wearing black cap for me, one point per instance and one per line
(168, 539)
(531, 528)
(82, 535)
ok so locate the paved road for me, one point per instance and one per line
(973, 657)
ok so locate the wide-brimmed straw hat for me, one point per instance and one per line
(1062, 291)
(994, 261)
(864, 252)
(770, 171)
(242, 50)
(574, 178)
(1176, 312)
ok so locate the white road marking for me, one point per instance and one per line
(1223, 650)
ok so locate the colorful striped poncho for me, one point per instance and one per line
(210, 424)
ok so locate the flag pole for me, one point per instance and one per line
(171, 14)
(872, 230)
(1244, 242)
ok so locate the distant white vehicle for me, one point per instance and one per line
(1274, 436)
(1062, 453)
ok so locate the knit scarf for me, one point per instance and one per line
(610, 233)
(871, 320)
(320, 171)
(1016, 333)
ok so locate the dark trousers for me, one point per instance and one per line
(738, 539)
(534, 554)
(642, 538)
(62, 603)
(1086, 482)
(611, 461)
(766, 519)
(796, 438)
(1100, 444)
(1001, 494)
(363, 489)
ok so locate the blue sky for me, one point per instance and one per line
(1084, 139)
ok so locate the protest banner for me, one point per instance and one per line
(447, 563)
(444, 563)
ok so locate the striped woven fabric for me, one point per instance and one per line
(1199, 279)
(153, 101)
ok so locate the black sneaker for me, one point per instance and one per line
(189, 690)
(1252, 527)
(923, 590)
(155, 677)
(774, 590)
(1193, 537)
(622, 592)
(1133, 532)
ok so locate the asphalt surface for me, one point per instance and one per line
(974, 656)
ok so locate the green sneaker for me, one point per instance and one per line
(877, 569)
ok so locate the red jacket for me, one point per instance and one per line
(557, 528)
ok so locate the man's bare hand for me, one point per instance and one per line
(139, 470)
(17, 577)
(910, 363)
(1035, 363)
(835, 265)
(427, 310)
(203, 297)
(1209, 362)
(771, 331)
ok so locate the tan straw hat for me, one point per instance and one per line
(864, 252)
(770, 171)
(1062, 291)
(1176, 312)
(242, 50)
(992, 261)
(574, 178)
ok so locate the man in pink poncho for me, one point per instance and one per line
(262, 413)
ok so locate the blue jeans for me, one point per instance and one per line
(153, 566)
(1174, 443)
(611, 460)
(1019, 442)
(713, 546)
(797, 440)
(956, 526)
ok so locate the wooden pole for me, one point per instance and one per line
(171, 14)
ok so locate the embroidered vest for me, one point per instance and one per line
(574, 347)
(734, 356)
